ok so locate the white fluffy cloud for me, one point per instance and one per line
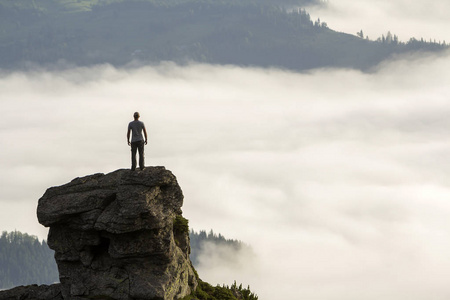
(338, 179)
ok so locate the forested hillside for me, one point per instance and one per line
(226, 250)
(25, 260)
(242, 32)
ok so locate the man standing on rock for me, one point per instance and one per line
(137, 141)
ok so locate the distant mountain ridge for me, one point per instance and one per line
(246, 32)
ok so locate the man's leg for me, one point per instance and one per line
(134, 147)
(141, 155)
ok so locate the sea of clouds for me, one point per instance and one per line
(338, 179)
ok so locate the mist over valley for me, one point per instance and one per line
(335, 173)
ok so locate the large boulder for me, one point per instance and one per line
(120, 236)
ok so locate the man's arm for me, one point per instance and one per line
(145, 134)
(128, 136)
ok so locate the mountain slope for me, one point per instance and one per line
(25, 260)
(245, 32)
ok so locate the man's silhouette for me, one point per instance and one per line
(137, 141)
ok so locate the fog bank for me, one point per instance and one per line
(338, 179)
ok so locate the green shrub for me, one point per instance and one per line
(180, 224)
(205, 291)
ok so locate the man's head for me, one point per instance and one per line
(136, 115)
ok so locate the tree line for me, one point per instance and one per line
(239, 32)
(198, 240)
(25, 260)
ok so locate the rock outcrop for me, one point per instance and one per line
(33, 292)
(120, 236)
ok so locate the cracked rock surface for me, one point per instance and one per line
(114, 236)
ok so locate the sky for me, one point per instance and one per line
(338, 179)
(406, 19)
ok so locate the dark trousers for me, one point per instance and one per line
(137, 146)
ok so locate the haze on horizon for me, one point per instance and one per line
(338, 179)
(406, 19)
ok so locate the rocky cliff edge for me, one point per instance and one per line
(119, 236)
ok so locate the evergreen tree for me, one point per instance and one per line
(198, 240)
(360, 34)
(25, 260)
